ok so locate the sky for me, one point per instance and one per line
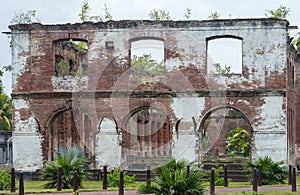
(66, 11)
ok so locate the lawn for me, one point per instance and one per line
(37, 187)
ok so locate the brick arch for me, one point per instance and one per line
(146, 134)
(214, 128)
(66, 128)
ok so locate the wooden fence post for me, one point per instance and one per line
(12, 180)
(121, 184)
(254, 188)
(148, 179)
(104, 183)
(21, 183)
(294, 186)
(225, 176)
(59, 179)
(260, 173)
(188, 168)
(212, 181)
(290, 175)
(75, 180)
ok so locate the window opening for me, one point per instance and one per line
(70, 57)
(224, 56)
(147, 57)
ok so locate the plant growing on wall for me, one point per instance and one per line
(220, 70)
(62, 68)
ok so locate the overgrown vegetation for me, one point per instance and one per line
(281, 12)
(159, 14)
(4, 180)
(113, 178)
(214, 16)
(146, 65)
(272, 172)
(84, 14)
(70, 159)
(220, 70)
(27, 17)
(171, 179)
(5, 112)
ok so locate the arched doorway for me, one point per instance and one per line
(146, 138)
(215, 128)
(67, 128)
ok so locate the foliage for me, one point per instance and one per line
(62, 68)
(4, 180)
(281, 13)
(70, 159)
(146, 65)
(272, 172)
(22, 17)
(71, 57)
(5, 112)
(220, 70)
(84, 14)
(107, 15)
(171, 179)
(188, 14)
(296, 41)
(82, 45)
(113, 178)
(214, 16)
(238, 140)
(159, 14)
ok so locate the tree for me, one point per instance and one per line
(5, 112)
(214, 16)
(281, 13)
(171, 179)
(159, 14)
(272, 172)
(238, 141)
(85, 16)
(146, 65)
(220, 70)
(188, 14)
(70, 159)
(22, 17)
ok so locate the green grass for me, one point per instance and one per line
(36, 187)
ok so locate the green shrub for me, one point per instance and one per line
(272, 172)
(171, 179)
(4, 180)
(113, 178)
(70, 159)
(62, 68)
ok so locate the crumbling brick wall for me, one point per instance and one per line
(108, 95)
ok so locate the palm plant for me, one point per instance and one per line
(70, 159)
(5, 112)
(272, 172)
(171, 179)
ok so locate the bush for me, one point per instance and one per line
(4, 180)
(171, 179)
(70, 159)
(272, 172)
(113, 178)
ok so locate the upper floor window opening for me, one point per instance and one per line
(224, 55)
(147, 57)
(70, 57)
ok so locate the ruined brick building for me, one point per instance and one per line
(77, 84)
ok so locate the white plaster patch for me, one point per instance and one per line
(271, 143)
(69, 83)
(186, 108)
(28, 125)
(185, 146)
(272, 115)
(20, 104)
(27, 152)
(108, 148)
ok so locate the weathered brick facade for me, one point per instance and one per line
(123, 119)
